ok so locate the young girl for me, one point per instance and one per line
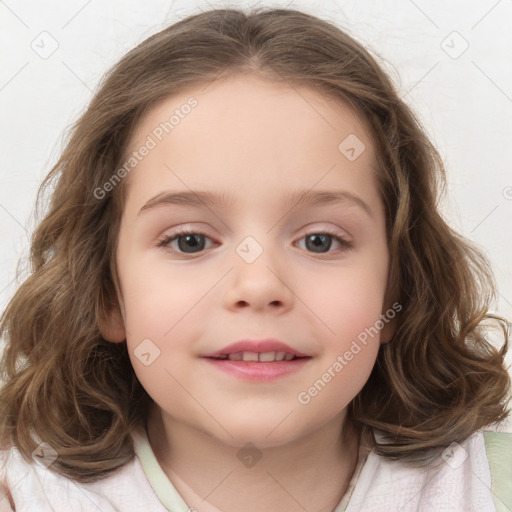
(186, 342)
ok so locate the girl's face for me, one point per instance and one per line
(269, 257)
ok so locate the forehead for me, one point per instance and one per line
(245, 134)
(250, 102)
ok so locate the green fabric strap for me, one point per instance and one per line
(498, 446)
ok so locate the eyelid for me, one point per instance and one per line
(187, 230)
(343, 238)
(337, 232)
(180, 231)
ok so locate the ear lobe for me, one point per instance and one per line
(390, 323)
(387, 332)
(112, 326)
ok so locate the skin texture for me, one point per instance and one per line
(258, 141)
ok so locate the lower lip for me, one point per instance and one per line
(251, 370)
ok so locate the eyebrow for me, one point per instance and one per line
(301, 198)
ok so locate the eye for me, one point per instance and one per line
(321, 242)
(189, 241)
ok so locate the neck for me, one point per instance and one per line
(309, 473)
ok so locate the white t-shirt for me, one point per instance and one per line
(461, 484)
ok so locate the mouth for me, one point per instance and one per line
(257, 361)
(260, 357)
(254, 367)
(266, 350)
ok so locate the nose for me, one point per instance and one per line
(259, 279)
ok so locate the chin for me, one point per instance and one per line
(263, 434)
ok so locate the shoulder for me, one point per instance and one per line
(459, 480)
(32, 485)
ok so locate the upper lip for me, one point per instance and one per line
(258, 346)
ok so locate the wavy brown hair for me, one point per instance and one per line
(437, 381)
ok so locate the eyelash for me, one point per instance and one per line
(164, 242)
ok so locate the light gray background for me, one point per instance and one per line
(462, 95)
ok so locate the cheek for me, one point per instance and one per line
(157, 299)
(163, 310)
(341, 379)
(346, 300)
(350, 308)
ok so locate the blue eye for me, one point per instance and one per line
(322, 242)
(193, 242)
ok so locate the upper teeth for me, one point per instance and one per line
(264, 357)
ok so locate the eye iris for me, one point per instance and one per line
(195, 242)
(191, 239)
(317, 241)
